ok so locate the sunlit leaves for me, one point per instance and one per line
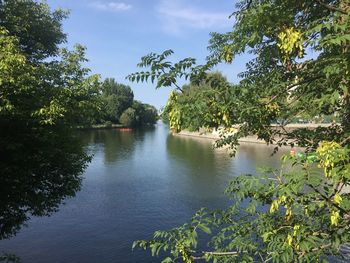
(290, 41)
(37, 27)
(329, 154)
(334, 218)
(178, 241)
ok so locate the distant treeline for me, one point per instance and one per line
(117, 106)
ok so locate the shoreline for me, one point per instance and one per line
(102, 126)
(252, 138)
(244, 140)
(210, 136)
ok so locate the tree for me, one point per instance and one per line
(210, 97)
(116, 99)
(139, 115)
(300, 212)
(150, 115)
(38, 30)
(44, 94)
(146, 114)
(128, 118)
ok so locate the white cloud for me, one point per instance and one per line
(177, 17)
(111, 6)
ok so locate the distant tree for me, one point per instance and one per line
(139, 115)
(116, 98)
(145, 114)
(150, 115)
(164, 115)
(129, 118)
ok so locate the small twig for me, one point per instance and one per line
(345, 140)
(267, 260)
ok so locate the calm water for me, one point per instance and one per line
(137, 182)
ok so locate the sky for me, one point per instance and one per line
(118, 33)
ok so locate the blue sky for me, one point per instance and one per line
(118, 33)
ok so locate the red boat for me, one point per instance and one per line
(125, 129)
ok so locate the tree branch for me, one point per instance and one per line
(327, 199)
(345, 140)
(177, 87)
(289, 87)
(332, 8)
(174, 83)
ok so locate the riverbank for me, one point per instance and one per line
(250, 139)
(214, 137)
(102, 126)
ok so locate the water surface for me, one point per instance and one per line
(137, 182)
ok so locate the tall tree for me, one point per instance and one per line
(117, 98)
(301, 212)
(38, 30)
(44, 94)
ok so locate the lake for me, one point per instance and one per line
(137, 182)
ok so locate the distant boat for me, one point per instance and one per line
(125, 129)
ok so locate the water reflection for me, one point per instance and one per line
(137, 182)
(251, 156)
(199, 154)
(194, 152)
(39, 171)
(117, 144)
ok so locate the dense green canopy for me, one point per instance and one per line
(44, 93)
(38, 30)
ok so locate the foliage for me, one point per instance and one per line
(299, 213)
(139, 115)
(118, 106)
(116, 98)
(9, 258)
(286, 227)
(148, 114)
(165, 72)
(211, 97)
(128, 118)
(44, 94)
(38, 30)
